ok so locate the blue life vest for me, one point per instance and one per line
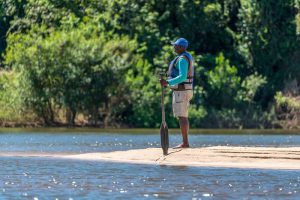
(174, 72)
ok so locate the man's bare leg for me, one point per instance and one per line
(184, 127)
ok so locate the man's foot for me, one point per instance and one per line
(181, 146)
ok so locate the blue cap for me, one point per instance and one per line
(181, 42)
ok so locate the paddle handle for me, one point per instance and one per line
(163, 114)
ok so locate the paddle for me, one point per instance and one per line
(164, 134)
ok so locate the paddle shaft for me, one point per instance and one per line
(163, 114)
(164, 134)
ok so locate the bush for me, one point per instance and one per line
(78, 69)
(11, 102)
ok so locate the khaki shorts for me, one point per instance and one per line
(181, 102)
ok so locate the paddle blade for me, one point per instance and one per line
(164, 138)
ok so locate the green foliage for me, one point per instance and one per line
(197, 112)
(79, 69)
(249, 88)
(287, 110)
(99, 58)
(268, 41)
(145, 96)
(297, 18)
(232, 100)
(223, 83)
(7, 96)
(11, 101)
(291, 102)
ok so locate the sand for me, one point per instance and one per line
(218, 156)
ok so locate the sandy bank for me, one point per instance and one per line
(218, 156)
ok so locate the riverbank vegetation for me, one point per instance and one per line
(95, 62)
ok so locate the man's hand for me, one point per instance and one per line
(163, 82)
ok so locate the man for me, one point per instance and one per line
(180, 73)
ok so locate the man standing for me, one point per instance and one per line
(180, 80)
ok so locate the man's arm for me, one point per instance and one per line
(183, 71)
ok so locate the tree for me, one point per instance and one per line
(75, 69)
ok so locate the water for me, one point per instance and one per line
(50, 178)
